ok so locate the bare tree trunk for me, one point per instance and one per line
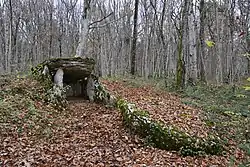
(133, 48)
(81, 49)
(231, 43)
(51, 5)
(164, 45)
(192, 57)
(10, 37)
(248, 45)
(202, 42)
(219, 30)
(248, 51)
(180, 71)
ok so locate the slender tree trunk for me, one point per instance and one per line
(165, 56)
(81, 50)
(180, 64)
(51, 29)
(248, 51)
(133, 48)
(218, 47)
(10, 38)
(180, 71)
(202, 42)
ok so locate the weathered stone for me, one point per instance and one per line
(45, 71)
(90, 88)
(58, 78)
(74, 68)
(72, 71)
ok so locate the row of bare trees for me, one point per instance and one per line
(199, 40)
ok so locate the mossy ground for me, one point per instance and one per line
(25, 116)
(226, 108)
(24, 110)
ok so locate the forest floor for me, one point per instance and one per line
(89, 134)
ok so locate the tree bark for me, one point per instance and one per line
(133, 48)
(81, 50)
(180, 71)
(202, 42)
(10, 37)
(51, 5)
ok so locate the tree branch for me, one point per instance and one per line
(98, 21)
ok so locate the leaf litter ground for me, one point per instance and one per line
(88, 134)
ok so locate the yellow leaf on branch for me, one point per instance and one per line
(210, 43)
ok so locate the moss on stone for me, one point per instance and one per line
(167, 138)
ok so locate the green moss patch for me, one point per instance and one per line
(167, 138)
(23, 110)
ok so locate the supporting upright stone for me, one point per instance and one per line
(45, 70)
(58, 78)
(75, 72)
(90, 88)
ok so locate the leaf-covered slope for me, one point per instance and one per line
(162, 106)
(85, 134)
(92, 135)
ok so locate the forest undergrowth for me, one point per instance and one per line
(34, 133)
(225, 109)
